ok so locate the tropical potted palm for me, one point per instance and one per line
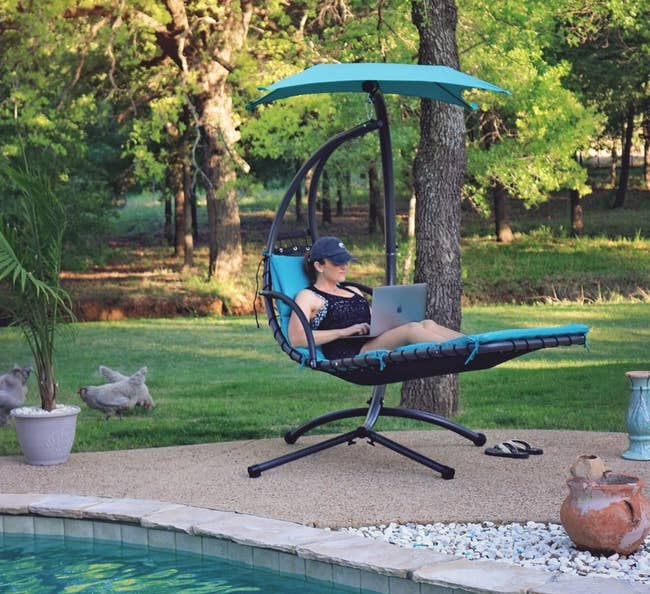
(31, 246)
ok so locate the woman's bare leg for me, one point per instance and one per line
(411, 333)
(442, 332)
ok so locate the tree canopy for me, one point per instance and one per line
(525, 142)
(109, 95)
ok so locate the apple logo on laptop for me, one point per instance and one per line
(399, 309)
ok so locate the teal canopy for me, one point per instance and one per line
(441, 83)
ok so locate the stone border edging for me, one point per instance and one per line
(287, 547)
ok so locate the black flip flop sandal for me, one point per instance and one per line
(506, 449)
(523, 446)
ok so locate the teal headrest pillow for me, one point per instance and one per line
(288, 277)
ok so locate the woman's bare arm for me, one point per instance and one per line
(310, 303)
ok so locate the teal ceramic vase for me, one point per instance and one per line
(638, 416)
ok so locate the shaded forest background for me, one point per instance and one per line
(113, 98)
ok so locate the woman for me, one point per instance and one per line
(337, 313)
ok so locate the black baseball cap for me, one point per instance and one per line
(331, 248)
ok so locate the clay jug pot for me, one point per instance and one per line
(589, 467)
(606, 515)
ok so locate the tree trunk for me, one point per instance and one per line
(438, 174)
(612, 168)
(577, 224)
(169, 227)
(220, 133)
(308, 177)
(407, 270)
(179, 206)
(502, 229)
(195, 214)
(339, 195)
(624, 178)
(646, 150)
(188, 222)
(224, 241)
(208, 58)
(225, 249)
(501, 217)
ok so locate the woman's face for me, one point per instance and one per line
(334, 272)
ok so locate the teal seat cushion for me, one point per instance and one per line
(500, 335)
(288, 277)
(508, 334)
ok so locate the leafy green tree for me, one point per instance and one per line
(52, 113)
(169, 57)
(523, 145)
(317, 31)
(608, 45)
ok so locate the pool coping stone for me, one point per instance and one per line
(287, 547)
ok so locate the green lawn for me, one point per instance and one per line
(216, 379)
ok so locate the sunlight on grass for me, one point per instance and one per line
(544, 363)
(141, 213)
(610, 263)
(260, 199)
(220, 379)
(217, 379)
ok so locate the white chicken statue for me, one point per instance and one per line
(119, 395)
(13, 390)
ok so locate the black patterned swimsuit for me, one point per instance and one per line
(341, 312)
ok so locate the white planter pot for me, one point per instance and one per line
(46, 437)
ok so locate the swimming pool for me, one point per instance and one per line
(324, 558)
(49, 565)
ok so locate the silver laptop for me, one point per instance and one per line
(394, 305)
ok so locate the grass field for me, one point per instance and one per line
(543, 264)
(216, 379)
(222, 378)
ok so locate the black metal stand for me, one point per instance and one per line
(375, 408)
(372, 413)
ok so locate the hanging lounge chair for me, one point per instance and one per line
(283, 275)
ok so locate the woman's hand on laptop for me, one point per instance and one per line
(358, 329)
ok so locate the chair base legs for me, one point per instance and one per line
(372, 412)
(405, 413)
(373, 437)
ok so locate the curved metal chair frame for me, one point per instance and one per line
(395, 366)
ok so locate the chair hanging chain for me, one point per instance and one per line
(257, 291)
(369, 108)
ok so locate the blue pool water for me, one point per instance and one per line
(49, 565)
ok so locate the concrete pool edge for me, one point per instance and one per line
(287, 547)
